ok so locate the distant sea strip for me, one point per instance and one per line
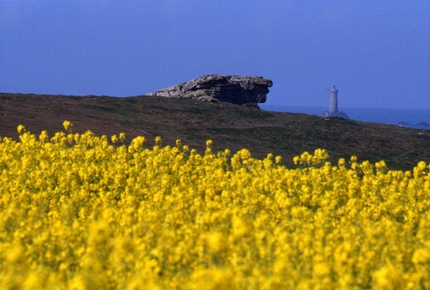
(416, 118)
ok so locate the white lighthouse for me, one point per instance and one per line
(333, 110)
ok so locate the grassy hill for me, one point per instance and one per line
(229, 126)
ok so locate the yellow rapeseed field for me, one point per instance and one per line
(80, 211)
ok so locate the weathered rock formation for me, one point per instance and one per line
(224, 88)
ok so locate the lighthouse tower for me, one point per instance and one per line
(332, 110)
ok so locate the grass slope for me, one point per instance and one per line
(229, 126)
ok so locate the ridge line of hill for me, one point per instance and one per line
(228, 125)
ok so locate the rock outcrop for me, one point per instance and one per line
(338, 114)
(224, 88)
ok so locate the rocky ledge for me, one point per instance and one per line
(223, 88)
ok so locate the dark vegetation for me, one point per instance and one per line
(229, 126)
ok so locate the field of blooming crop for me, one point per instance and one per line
(79, 211)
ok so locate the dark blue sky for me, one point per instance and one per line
(377, 52)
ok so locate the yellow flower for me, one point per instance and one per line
(80, 213)
(21, 129)
(114, 139)
(158, 141)
(67, 126)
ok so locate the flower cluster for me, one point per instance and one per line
(80, 211)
